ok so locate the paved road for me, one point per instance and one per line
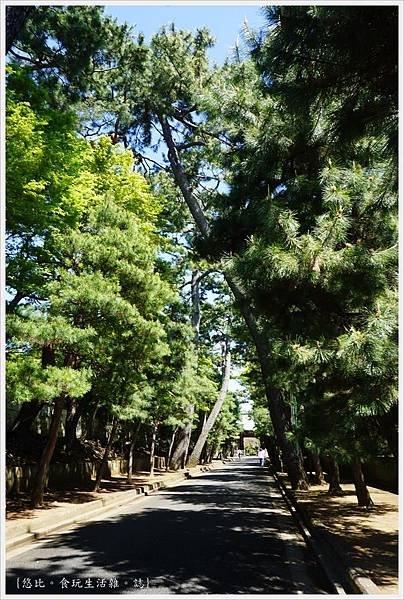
(227, 531)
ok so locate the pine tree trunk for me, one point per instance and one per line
(196, 452)
(42, 473)
(130, 461)
(104, 461)
(170, 449)
(318, 470)
(152, 449)
(130, 455)
(180, 453)
(291, 452)
(362, 492)
(334, 488)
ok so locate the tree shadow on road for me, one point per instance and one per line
(214, 534)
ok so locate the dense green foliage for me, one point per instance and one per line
(321, 264)
(287, 161)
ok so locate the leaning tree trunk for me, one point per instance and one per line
(278, 411)
(334, 488)
(362, 492)
(170, 448)
(104, 461)
(196, 452)
(42, 473)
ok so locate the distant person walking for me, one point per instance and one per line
(239, 454)
(261, 456)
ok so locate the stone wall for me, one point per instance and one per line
(382, 472)
(20, 479)
(67, 475)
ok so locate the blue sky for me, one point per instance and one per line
(224, 22)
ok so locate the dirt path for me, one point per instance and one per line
(368, 540)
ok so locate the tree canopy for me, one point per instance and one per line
(161, 208)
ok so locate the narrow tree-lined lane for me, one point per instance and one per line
(227, 531)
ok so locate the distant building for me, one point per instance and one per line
(248, 442)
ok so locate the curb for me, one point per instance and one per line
(343, 578)
(333, 578)
(81, 514)
(358, 578)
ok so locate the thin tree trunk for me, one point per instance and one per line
(42, 473)
(170, 449)
(196, 452)
(334, 488)
(152, 448)
(130, 461)
(130, 455)
(362, 492)
(318, 470)
(278, 411)
(104, 461)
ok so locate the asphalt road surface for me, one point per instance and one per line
(224, 532)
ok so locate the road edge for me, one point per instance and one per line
(353, 580)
